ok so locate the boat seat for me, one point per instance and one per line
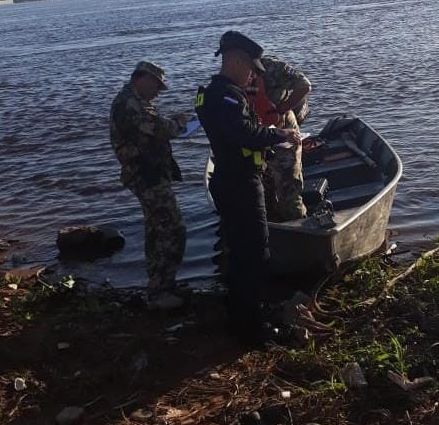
(352, 196)
(344, 173)
(323, 169)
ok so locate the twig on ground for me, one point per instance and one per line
(94, 401)
(131, 400)
(15, 409)
(392, 282)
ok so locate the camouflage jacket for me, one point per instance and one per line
(140, 138)
(281, 80)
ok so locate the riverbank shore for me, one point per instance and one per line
(99, 350)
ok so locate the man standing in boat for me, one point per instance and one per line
(140, 139)
(282, 100)
(238, 143)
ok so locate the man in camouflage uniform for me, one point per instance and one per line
(288, 89)
(140, 139)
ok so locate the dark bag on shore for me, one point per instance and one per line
(89, 241)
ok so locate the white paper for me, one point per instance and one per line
(304, 135)
(191, 127)
(285, 145)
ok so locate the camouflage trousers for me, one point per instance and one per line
(283, 180)
(165, 234)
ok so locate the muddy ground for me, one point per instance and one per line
(100, 350)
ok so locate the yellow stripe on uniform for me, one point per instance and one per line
(246, 152)
(258, 160)
(199, 100)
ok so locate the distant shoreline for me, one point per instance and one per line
(2, 2)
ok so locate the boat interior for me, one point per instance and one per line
(356, 163)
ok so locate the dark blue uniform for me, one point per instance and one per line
(238, 143)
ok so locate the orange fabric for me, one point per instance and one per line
(263, 106)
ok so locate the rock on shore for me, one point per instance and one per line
(89, 241)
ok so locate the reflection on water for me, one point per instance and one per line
(62, 63)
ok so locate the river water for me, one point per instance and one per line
(62, 62)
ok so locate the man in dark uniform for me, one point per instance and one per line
(238, 143)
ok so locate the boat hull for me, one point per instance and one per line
(362, 195)
(293, 251)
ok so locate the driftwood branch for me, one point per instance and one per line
(392, 282)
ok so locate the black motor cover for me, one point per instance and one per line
(314, 191)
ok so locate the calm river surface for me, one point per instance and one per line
(62, 62)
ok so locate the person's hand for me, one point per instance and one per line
(291, 135)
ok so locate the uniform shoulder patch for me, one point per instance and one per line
(231, 100)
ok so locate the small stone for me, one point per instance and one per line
(71, 415)
(63, 345)
(141, 415)
(175, 328)
(172, 340)
(391, 248)
(253, 418)
(353, 376)
(255, 415)
(140, 362)
(20, 384)
(4, 245)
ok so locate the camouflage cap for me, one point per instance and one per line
(152, 69)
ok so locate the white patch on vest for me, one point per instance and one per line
(231, 100)
(290, 71)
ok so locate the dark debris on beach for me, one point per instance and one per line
(64, 344)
